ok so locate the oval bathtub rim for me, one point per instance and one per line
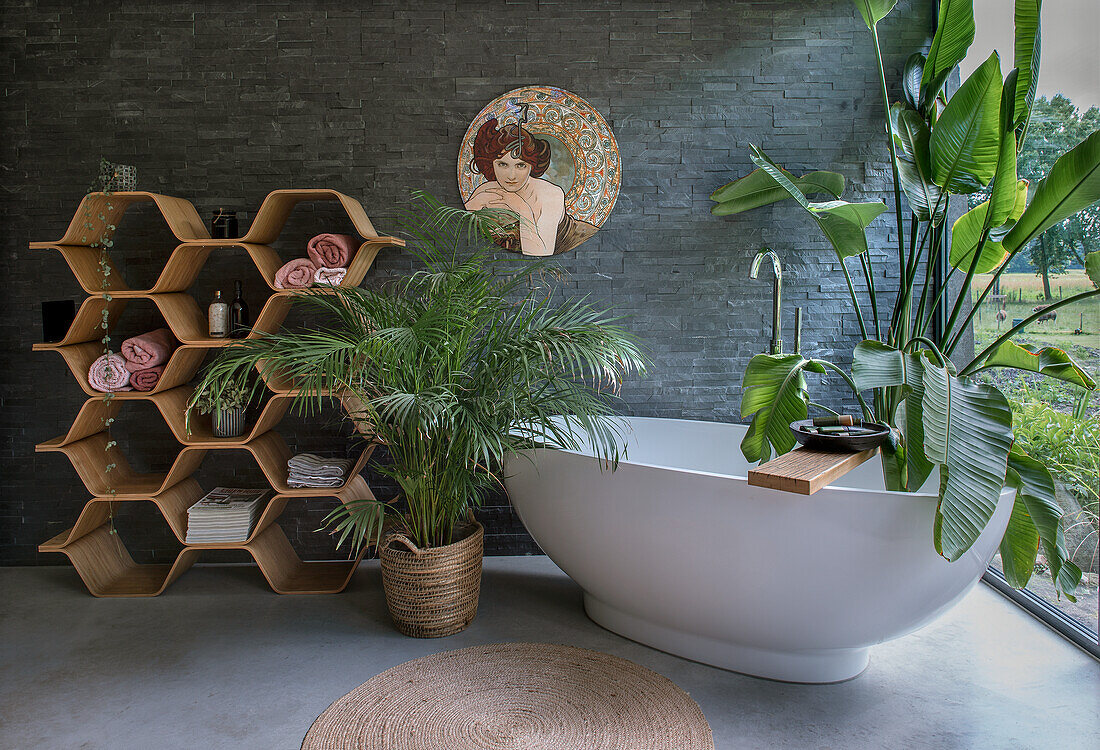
(895, 494)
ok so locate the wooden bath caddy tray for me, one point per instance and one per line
(98, 555)
(805, 470)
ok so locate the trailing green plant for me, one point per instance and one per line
(452, 368)
(943, 419)
(102, 239)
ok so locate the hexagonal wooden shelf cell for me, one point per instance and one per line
(102, 560)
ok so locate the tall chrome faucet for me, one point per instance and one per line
(777, 295)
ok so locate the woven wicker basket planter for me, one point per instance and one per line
(432, 592)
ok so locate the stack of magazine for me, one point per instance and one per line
(225, 514)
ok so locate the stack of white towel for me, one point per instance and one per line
(311, 470)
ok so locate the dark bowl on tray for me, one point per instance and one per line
(841, 442)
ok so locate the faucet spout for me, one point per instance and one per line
(777, 295)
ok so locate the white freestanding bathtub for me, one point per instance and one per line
(675, 550)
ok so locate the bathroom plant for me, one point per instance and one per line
(451, 368)
(943, 419)
(226, 407)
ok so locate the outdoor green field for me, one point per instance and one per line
(1023, 291)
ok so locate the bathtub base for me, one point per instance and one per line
(812, 666)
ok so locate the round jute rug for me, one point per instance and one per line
(514, 696)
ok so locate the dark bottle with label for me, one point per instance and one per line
(238, 315)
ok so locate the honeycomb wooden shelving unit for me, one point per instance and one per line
(100, 557)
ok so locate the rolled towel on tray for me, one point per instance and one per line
(297, 274)
(148, 350)
(108, 374)
(331, 250)
(329, 276)
(146, 380)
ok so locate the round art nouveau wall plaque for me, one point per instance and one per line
(547, 155)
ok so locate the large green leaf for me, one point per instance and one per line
(1019, 545)
(877, 365)
(954, 35)
(1049, 361)
(843, 223)
(910, 419)
(966, 139)
(1072, 184)
(1026, 60)
(910, 133)
(774, 395)
(1092, 267)
(1036, 488)
(967, 230)
(759, 189)
(1002, 195)
(910, 78)
(968, 433)
(874, 11)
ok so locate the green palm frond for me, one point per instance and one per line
(455, 366)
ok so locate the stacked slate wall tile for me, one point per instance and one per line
(222, 102)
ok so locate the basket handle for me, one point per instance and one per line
(398, 537)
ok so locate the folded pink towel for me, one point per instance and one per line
(331, 250)
(297, 274)
(148, 349)
(109, 374)
(146, 380)
(329, 276)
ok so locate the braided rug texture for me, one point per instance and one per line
(514, 696)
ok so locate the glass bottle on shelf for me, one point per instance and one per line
(238, 314)
(218, 317)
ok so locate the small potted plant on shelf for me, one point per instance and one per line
(451, 368)
(226, 407)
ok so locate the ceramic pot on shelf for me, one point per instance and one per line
(228, 423)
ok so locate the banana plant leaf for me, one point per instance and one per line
(910, 78)
(966, 139)
(1092, 267)
(843, 223)
(758, 189)
(1049, 361)
(954, 35)
(967, 230)
(1026, 59)
(1002, 195)
(1020, 544)
(774, 395)
(1072, 184)
(910, 419)
(910, 133)
(874, 11)
(877, 365)
(968, 433)
(1035, 488)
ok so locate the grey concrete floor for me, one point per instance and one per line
(219, 661)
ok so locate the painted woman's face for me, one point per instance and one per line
(511, 172)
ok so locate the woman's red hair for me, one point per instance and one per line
(491, 143)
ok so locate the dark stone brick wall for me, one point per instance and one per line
(221, 102)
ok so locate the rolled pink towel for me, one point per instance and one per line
(297, 274)
(331, 250)
(146, 380)
(148, 349)
(109, 374)
(329, 276)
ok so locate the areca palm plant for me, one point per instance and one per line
(943, 419)
(451, 368)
